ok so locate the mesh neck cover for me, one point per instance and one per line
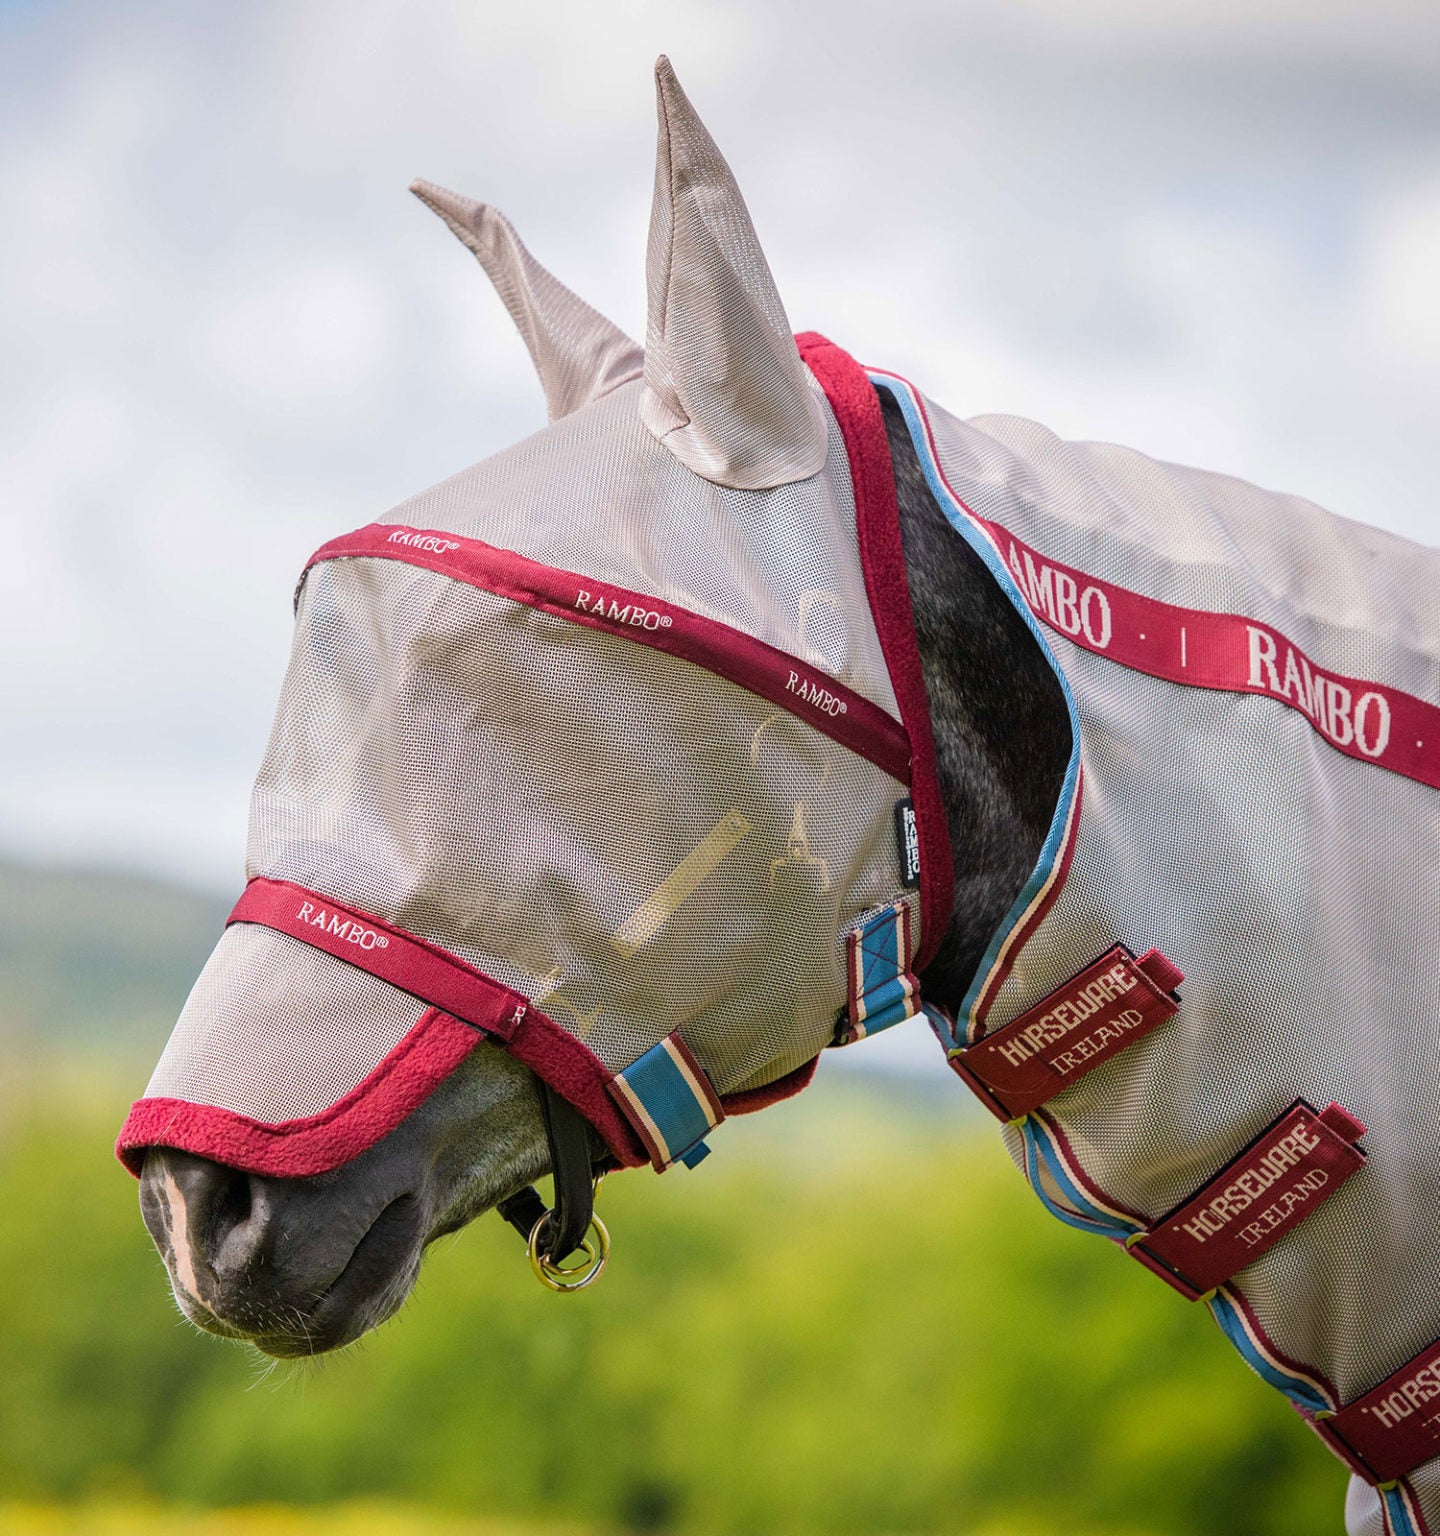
(1253, 687)
(593, 758)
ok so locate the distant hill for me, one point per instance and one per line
(96, 957)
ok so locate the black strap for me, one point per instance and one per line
(568, 1133)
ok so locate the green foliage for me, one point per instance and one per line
(849, 1320)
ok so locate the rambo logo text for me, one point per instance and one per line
(628, 613)
(345, 928)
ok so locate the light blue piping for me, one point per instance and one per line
(1227, 1315)
(1087, 1216)
(1400, 1521)
(904, 397)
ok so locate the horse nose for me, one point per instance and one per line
(211, 1223)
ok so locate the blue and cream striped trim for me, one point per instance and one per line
(671, 1103)
(881, 989)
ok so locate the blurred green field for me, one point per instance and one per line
(853, 1319)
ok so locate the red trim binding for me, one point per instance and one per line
(293, 1149)
(750, 1100)
(856, 406)
(786, 681)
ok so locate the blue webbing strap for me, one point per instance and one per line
(669, 1100)
(881, 988)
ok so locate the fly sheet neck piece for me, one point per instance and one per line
(585, 755)
(1209, 1021)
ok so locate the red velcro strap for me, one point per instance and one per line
(1394, 1428)
(1108, 1006)
(1293, 1166)
(425, 971)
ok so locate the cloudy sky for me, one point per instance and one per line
(1210, 230)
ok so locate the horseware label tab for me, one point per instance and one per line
(1292, 1167)
(1392, 1429)
(1098, 1013)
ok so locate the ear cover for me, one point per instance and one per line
(725, 390)
(578, 353)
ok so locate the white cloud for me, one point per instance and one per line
(1208, 229)
(1399, 284)
(311, 332)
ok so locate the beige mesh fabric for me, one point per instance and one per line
(1296, 887)
(632, 842)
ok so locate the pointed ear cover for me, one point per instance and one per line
(577, 352)
(725, 390)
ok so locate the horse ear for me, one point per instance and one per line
(577, 352)
(725, 390)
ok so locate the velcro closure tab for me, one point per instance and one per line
(1294, 1165)
(1115, 1001)
(881, 989)
(1395, 1427)
(670, 1101)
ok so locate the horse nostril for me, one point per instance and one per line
(230, 1200)
(199, 1214)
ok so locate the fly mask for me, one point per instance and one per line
(612, 750)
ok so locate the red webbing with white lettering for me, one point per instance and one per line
(804, 691)
(425, 971)
(1372, 722)
(1393, 1428)
(1294, 1165)
(1102, 1010)
(1369, 721)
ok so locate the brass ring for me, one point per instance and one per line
(587, 1272)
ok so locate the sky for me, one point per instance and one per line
(1208, 230)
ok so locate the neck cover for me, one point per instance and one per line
(594, 758)
(1252, 687)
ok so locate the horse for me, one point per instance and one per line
(756, 705)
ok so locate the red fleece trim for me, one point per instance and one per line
(856, 406)
(577, 1074)
(293, 1149)
(787, 682)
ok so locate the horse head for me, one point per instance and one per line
(602, 796)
